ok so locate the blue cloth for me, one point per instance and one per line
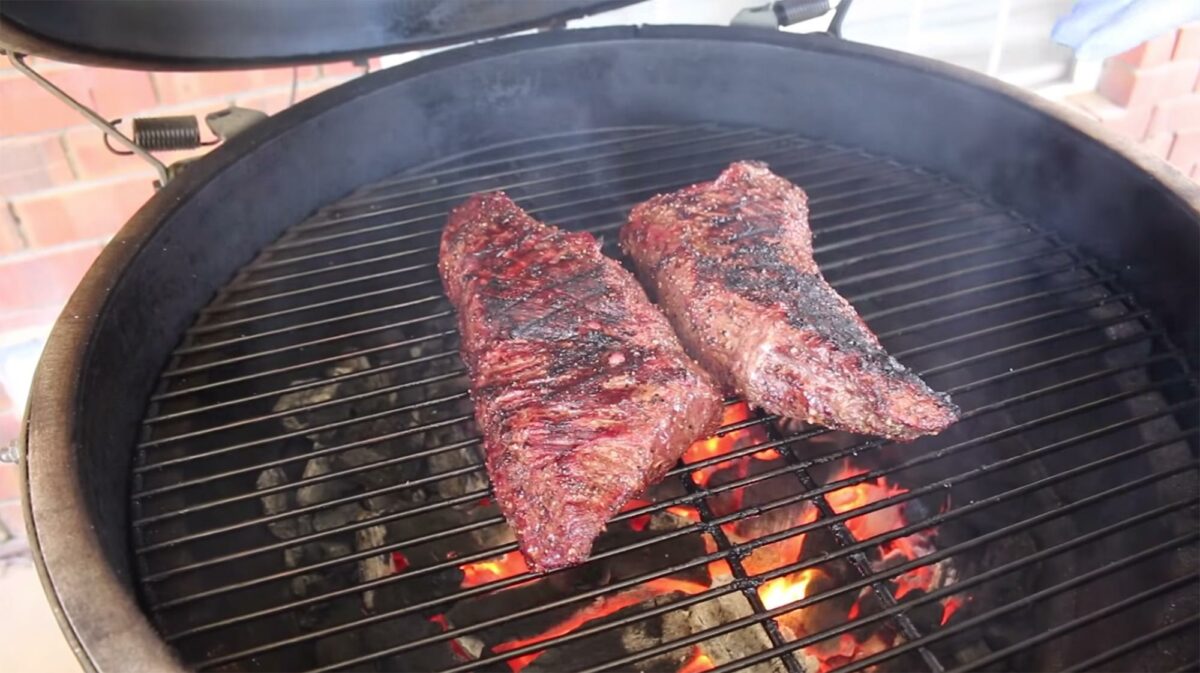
(1097, 29)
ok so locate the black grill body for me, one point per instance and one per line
(253, 317)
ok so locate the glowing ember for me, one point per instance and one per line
(787, 589)
(951, 605)
(641, 521)
(698, 663)
(689, 513)
(777, 554)
(482, 572)
(459, 650)
(730, 441)
(875, 523)
(602, 607)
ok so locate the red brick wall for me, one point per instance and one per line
(1151, 94)
(63, 195)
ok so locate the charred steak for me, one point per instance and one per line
(732, 266)
(582, 392)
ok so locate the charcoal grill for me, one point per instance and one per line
(303, 489)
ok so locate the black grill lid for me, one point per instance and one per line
(232, 34)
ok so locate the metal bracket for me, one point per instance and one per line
(782, 13)
(18, 62)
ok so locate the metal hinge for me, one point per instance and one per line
(155, 133)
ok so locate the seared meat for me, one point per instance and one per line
(582, 392)
(731, 263)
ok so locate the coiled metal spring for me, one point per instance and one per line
(163, 134)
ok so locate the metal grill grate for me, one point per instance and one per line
(308, 488)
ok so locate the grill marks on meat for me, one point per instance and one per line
(582, 392)
(732, 265)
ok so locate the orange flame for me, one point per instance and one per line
(951, 605)
(641, 521)
(602, 607)
(787, 589)
(730, 441)
(698, 663)
(455, 646)
(491, 570)
(853, 497)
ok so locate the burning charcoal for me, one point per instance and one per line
(334, 517)
(273, 503)
(321, 490)
(283, 501)
(309, 396)
(435, 657)
(727, 647)
(454, 459)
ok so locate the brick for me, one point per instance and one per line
(1159, 145)
(83, 212)
(1143, 87)
(41, 281)
(343, 69)
(1176, 114)
(27, 108)
(1185, 151)
(10, 237)
(1128, 122)
(272, 103)
(181, 87)
(31, 163)
(10, 477)
(93, 160)
(1152, 52)
(1187, 45)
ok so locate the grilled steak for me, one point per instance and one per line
(731, 263)
(582, 392)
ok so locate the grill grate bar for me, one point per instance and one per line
(977, 218)
(1026, 256)
(208, 328)
(688, 139)
(958, 627)
(1170, 629)
(459, 396)
(995, 406)
(419, 174)
(789, 532)
(426, 171)
(762, 419)
(278, 392)
(757, 618)
(1090, 664)
(457, 372)
(857, 585)
(723, 431)
(242, 282)
(857, 559)
(734, 561)
(440, 314)
(299, 239)
(908, 530)
(629, 198)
